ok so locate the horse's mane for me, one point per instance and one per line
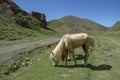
(60, 47)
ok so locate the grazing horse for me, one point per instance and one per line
(67, 45)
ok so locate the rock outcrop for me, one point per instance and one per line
(10, 10)
(41, 18)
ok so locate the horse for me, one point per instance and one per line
(68, 43)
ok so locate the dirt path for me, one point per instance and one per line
(11, 51)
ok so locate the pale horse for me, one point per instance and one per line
(67, 45)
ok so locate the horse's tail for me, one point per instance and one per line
(91, 40)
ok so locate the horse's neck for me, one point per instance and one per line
(59, 49)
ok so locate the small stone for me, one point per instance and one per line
(25, 64)
(27, 59)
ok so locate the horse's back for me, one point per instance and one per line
(76, 40)
(78, 36)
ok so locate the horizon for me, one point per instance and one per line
(103, 12)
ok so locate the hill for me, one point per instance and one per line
(16, 23)
(115, 28)
(75, 24)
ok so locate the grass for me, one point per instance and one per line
(21, 61)
(104, 64)
(12, 33)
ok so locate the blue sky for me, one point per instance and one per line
(105, 12)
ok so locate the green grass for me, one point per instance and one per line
(104, 64)
(22, 61)
(12, 33)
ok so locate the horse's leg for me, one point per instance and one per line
(86, 57)
(73, 55)
(86, 54)
(66, 57)
(63, 56)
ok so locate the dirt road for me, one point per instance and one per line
(12, 50)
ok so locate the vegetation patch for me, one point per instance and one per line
(87, 28)
(21, 62)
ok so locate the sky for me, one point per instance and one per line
(104, 12)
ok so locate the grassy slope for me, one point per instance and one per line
(115, 28)
(75, 24)
(10, 31)
(104, 64)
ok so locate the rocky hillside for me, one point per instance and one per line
(10, 10)
(75, 24)
(16, 23)
(115, 28)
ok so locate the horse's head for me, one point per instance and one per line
(55, 60)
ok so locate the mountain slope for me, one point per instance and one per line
(10, 10)
(115, 28)
(16, 23)
(75, 24)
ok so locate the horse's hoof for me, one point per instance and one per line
(68, 59)
(85, 64)
(55, 65)
(65, 64)
(75, 64)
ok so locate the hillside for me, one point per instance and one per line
(16, 23)
(75, 24)
(115, 28)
